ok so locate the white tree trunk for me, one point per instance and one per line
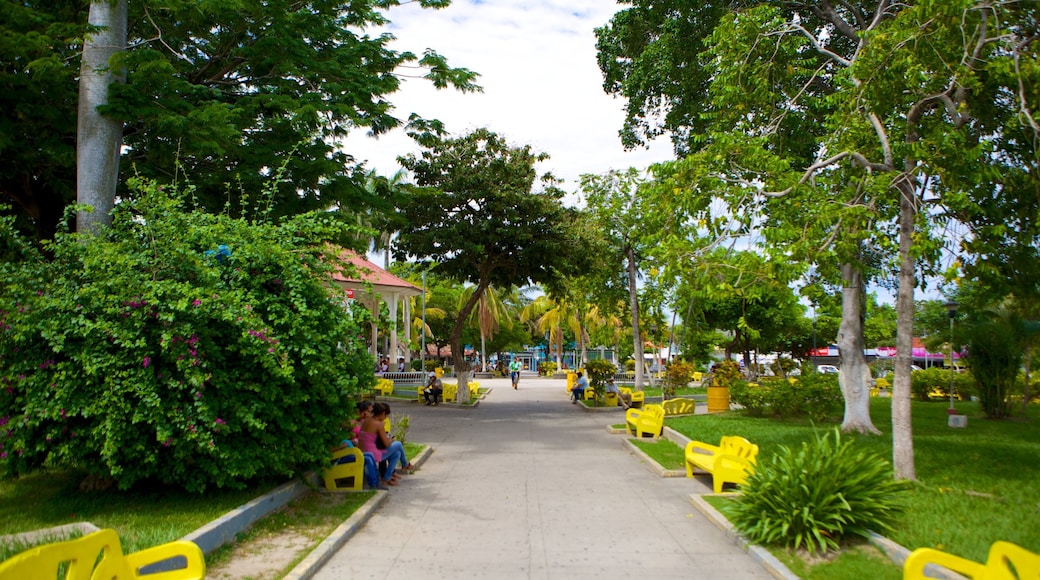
(633, 302)
(854, 375)
(902, 429)
(99, 138)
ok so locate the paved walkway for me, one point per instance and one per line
(528, 485)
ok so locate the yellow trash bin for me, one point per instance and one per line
(571, 379)
(718, 399)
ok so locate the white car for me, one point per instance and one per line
(827, 369)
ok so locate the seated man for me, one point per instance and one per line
(578, 390)
(433, 390)
(624, 398)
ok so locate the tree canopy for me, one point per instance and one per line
(476, 218)
(222, 94)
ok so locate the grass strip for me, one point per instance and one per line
(664, 451)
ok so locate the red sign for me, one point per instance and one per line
(350, 293)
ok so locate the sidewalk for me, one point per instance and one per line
(527, 485)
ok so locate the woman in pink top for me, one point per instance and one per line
(373, 433)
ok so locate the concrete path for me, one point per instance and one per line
(527, 485)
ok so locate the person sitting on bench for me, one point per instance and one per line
(433, 390)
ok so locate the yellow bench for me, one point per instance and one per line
(646, 421)
(731, 461)
(679, 407)
(346, 476)
(1005, 560)
(99, 555)
(637, 397)
(448, 392)
(385, 387)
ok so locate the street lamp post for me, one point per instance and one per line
(951, 309)
(653, 346)
(813, 357)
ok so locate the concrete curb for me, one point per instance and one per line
(321, 554)
(759, 554)
(224, 529)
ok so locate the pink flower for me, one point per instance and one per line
(3, 455)
(147, 361)
(196, 302)
(168, 442)
(220, 421)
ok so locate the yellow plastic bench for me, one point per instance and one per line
(637, 398)
(385, 387)
(1005, 561)
(679, 407)
(646, 421)
(349, 476)
(99, 556)
(731, 461)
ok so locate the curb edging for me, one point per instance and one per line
(775, 567)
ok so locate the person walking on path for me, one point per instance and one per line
(514, 371)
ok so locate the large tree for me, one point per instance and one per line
(224, 95)
(894, 84)
(476, 217)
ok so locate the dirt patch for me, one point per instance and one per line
(281, 540)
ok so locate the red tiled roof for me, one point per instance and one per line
(371, 274)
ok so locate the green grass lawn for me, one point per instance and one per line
(142, 517)
(975, 486)
(663, 451)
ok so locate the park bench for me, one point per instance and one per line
(99, 555)
(679, 407)
(349, 475)
(731, 461)
(637, 398)
(1005, 560)
(646, 421)
(385, 387)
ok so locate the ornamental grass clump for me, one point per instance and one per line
(816, 496)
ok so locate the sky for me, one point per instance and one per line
(542, 86)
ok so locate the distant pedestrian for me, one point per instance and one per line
(514, 371)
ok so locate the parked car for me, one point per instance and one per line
(827, 369)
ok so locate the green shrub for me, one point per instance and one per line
(678, 375)
(599, 372)
(186, 348)
(815, 395)
(724, 374)
(753, 397)
(547, 368)
(932, 382)
(816, 496)
(995, 355)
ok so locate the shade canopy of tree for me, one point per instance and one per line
(476, 217)
(223, 94)
(877, 103)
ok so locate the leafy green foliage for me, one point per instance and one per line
(222, 90)
(815, 496)
(476, 217)
(192, 349)
(599, 371)
(995, 356)
(935, 381)
(812, 395)
(677, 375)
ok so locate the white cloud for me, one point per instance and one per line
(542, 86)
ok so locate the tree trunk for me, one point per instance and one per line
(99, 138)
(458, 351)
(633, 303)
(902, 429)
(854, 375)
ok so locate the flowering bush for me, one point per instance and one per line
(187, 348)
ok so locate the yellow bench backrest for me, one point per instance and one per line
(739, 446)
(1006, 561)
(102, 547)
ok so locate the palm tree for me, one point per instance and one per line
(553, 315)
